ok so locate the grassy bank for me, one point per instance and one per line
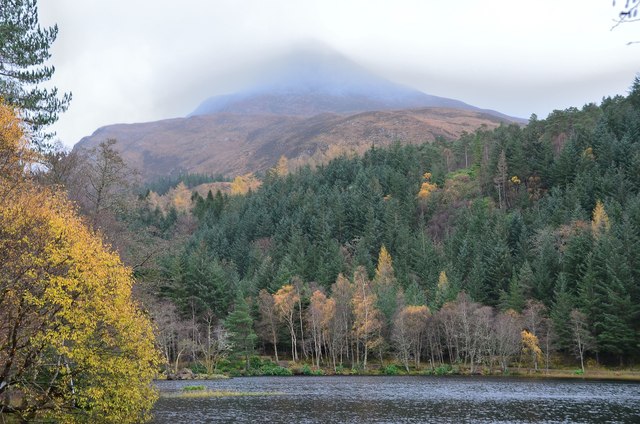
(264, 366)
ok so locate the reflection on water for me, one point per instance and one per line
(405, 400)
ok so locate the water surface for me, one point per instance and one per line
(404, 400)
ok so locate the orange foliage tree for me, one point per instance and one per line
(409, 326)
(285, 301)
(367, 318)
(73, 345)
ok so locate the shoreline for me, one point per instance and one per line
(551, 374)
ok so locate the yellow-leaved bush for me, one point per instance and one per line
(74, 347)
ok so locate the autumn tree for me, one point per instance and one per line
(330, 329)
(367, 318)
(282, 167)
(269, 319)
(180, 198)
(446, 317)
(531, 347)
(342, 294)
(507, 337)
(384, 287)
(583, 340)
(243, 183)
(105, 183)
(317, 322)
(409, 326)
(24, 51)
(73, 345)
(427, 187)
(301, 289)
(285, 300)
(600, 220)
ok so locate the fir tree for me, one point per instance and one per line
(24, 48)
(239, 323)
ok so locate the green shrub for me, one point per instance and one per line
(390, 370)
(224, 365)
(306, 370)
(443, 370)
(193, 388)
(274, 370)
(256, 362)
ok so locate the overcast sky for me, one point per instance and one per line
(142, 60)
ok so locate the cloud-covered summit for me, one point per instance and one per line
(314, 79)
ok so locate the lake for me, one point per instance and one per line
(403, 400)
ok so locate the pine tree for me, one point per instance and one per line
(561, 314)
(615, 314)
(513, 298)
(239, 323)
(24, 48)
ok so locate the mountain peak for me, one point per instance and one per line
(312, 78)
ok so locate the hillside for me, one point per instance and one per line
(234, 144)
(309, 105)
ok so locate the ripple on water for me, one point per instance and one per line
(404, 400)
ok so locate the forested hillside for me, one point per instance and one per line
(533, 231)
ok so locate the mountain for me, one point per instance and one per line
(234, 144)
(308, 106)
(314, 80)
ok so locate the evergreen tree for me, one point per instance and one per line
(561, 314)
(24, 48)
(239, 323)
(513, 298)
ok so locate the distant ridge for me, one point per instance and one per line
(309, 106)
(312, 80)
(235, 144)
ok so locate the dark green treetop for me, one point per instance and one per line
(24, 49)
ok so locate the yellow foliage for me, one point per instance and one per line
(180, 197)
(600, 220)
(66, 300)
(531, 346)
(13, 144)
(367, 322)
(384, 270)
(515, 180)
(282, 168)
(588, 154)
(416, 313)
(285, 300)
(427, 187)
(243, 183)
(443, 281)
